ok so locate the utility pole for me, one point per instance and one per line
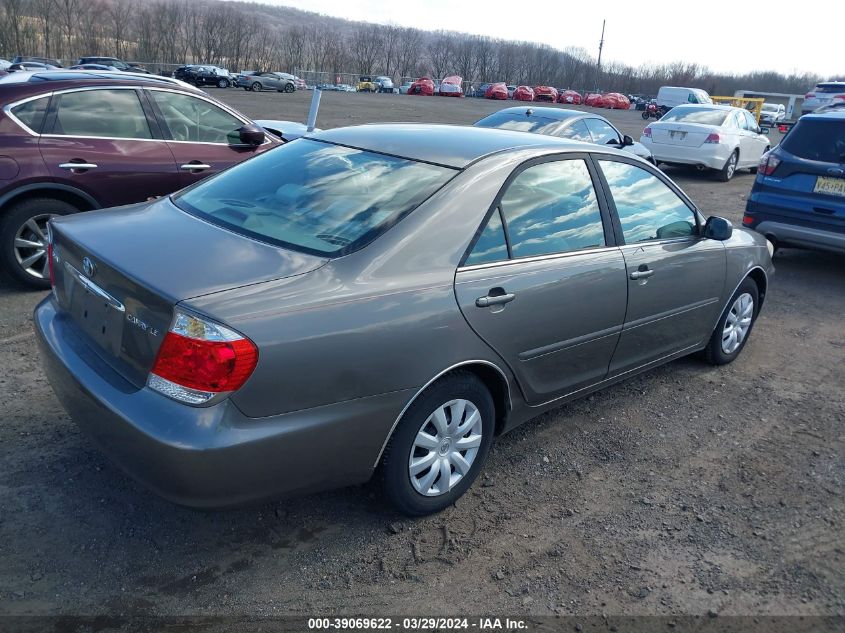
(598, 66)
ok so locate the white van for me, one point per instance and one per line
(670, 96)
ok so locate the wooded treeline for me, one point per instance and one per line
(242, 36)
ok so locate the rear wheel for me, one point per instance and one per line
(439, 446)
(734, 327)
(727, 172)
(222, 83)
(23, 239)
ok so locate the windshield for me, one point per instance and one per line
(767, 107)
(817, 139)
(706, 116)
(315, 197)
(520, 122)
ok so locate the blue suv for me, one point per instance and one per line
(798, 197)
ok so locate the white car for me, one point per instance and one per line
(717, 137)
(772, 113)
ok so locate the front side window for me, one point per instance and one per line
(315, 197)
(602, 132)
(31, 113)
(552, 208)
(106, 113)
(750, 122)
(578, 132)
(647, 208)
(196, 120)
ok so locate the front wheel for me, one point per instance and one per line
(255, 87)
(222, 83)
(439, 446)
(23, 239)
(734, 327)
(290, 88)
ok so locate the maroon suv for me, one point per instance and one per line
(77, 140)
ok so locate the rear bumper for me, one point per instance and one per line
(215, 456)
(802, 236)
(710, 155)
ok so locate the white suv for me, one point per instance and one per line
(823, 94)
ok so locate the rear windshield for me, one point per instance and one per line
(817, 139)
(520, 122)
(315, 197)
(707, 116)
(830, 88)
(768, 107)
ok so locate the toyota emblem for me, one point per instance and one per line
(88, 267)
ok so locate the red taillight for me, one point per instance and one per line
(768, 163)
(809, 95)
(747, 220)
(199, 359)
(647, 132)
(712, 138)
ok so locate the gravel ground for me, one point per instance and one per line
(687, 490)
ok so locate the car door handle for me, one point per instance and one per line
(641, 274)
(71, 165)
(494, 300)
(197, 166)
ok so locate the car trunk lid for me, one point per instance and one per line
(120, 272)
(685, 134)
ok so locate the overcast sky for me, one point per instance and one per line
(727, 36)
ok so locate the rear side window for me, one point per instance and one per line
(31, 113)
(491, 245)
(106, 113)
(817, 139)
(552, 208)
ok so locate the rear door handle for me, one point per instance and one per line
(494, 300)
(73, 166)
(641, 274)
(194, 166)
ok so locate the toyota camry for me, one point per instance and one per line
(383, 301)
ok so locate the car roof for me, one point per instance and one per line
(558, 114)
(66, 78)
(835, 114)
(449, 145)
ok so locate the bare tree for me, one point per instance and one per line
(365, 46)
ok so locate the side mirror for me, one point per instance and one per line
(717, 228)
(763, 130)
(251, 134)
(627, 141)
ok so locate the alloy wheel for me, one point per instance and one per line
(30, 246)
(731, 165)
(737, 323)
(445, 447)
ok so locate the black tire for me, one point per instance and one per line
(714, 353)
(645, 115)
(290, 88)
(222, 83)
(394, 473)
(12, 222)
(256, 87)
(727, 172)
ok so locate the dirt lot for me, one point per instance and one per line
(684, 491)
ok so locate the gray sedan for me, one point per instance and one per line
(267, 81)
(575, 125)
(380, 300)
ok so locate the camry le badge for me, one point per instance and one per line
(88, 267)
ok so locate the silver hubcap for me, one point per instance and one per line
(30, 246)
(731, 165)
(445, 448)
(737, 323)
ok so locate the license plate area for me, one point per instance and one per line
(97, 314)
(830, 186)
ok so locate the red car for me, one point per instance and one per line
(594, 99)
(615, 101)
(545, 93)
(423, 86)
(81, 140)
(523, 93)
(569, 96)
(497, 91)
(451, 86)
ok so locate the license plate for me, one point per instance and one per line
(94, 316)
(678, 133)
(830, 186)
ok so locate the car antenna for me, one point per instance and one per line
(315, 106)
